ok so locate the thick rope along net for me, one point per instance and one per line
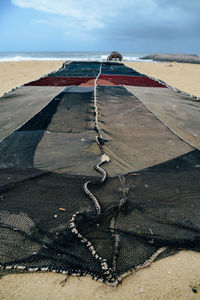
(93, 183)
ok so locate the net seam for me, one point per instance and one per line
(181, 138)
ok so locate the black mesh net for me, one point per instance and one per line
(92, 69)
(60, 210)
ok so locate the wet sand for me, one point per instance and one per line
(175, 277)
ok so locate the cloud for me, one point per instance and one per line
(157, 19)
(41, 22)
(86, 12)
(93, 14)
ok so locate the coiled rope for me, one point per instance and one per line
(103, 159)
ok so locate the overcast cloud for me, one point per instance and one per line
(157, 22)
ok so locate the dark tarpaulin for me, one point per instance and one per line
(149, 201)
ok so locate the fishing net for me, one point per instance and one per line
(92, 181)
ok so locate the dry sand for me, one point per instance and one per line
(13, 74)
(175, 277)
(185, 77)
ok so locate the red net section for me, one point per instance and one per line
(59, 81)
(103, 80)
(100, 82)
(132, 80)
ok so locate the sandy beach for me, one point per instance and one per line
(14, 74)
(183, 76)
(174, 277)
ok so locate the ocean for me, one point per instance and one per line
(73, 56)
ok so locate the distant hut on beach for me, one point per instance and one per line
(115, 56)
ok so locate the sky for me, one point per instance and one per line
(140, 26)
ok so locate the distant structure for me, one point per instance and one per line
(115, 56)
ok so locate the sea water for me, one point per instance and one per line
(72, 56)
